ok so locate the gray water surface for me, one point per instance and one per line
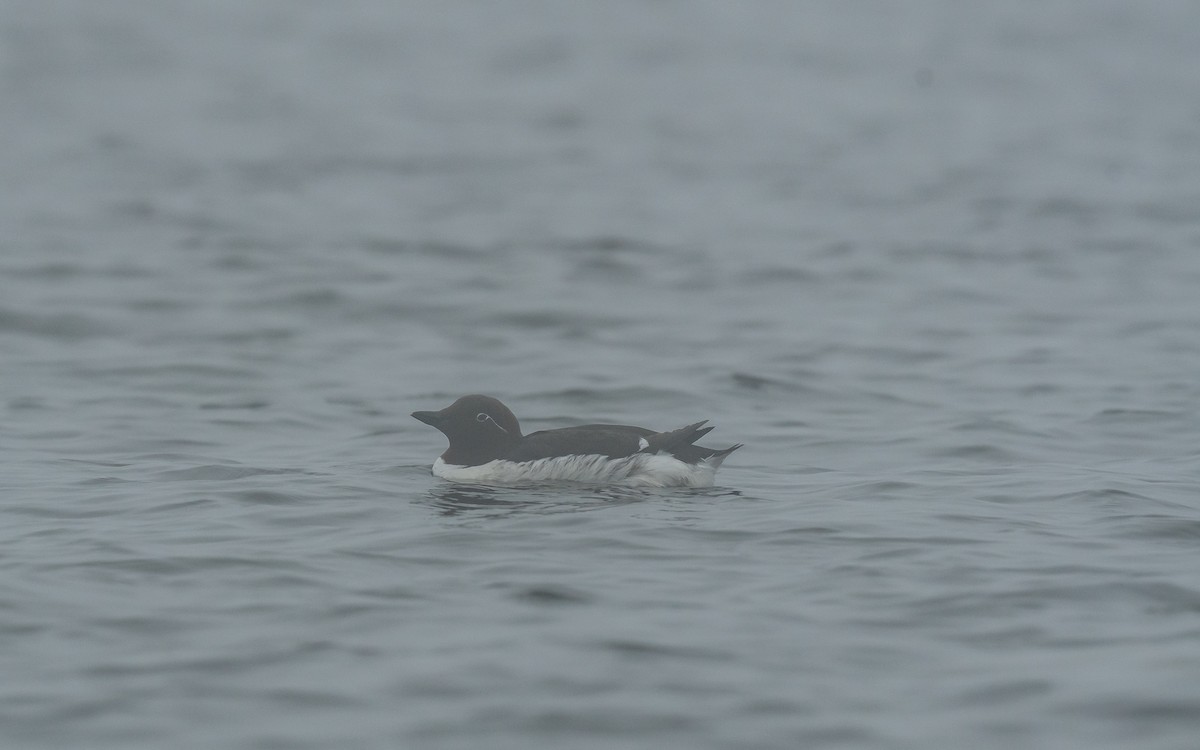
(935, 263)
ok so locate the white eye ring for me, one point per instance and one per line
(485, 417)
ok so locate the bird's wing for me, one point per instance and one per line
(612, 440)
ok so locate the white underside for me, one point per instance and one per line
(638, 470)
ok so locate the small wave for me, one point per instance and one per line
(619, 395)
(67, 326)
(551, 594)
(218, 472)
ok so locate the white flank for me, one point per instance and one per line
(638, 470)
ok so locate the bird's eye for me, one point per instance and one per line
(481, 417)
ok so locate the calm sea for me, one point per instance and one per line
(936, 263)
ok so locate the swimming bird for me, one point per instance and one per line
(487, 447)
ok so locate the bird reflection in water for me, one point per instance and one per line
(455, 499)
